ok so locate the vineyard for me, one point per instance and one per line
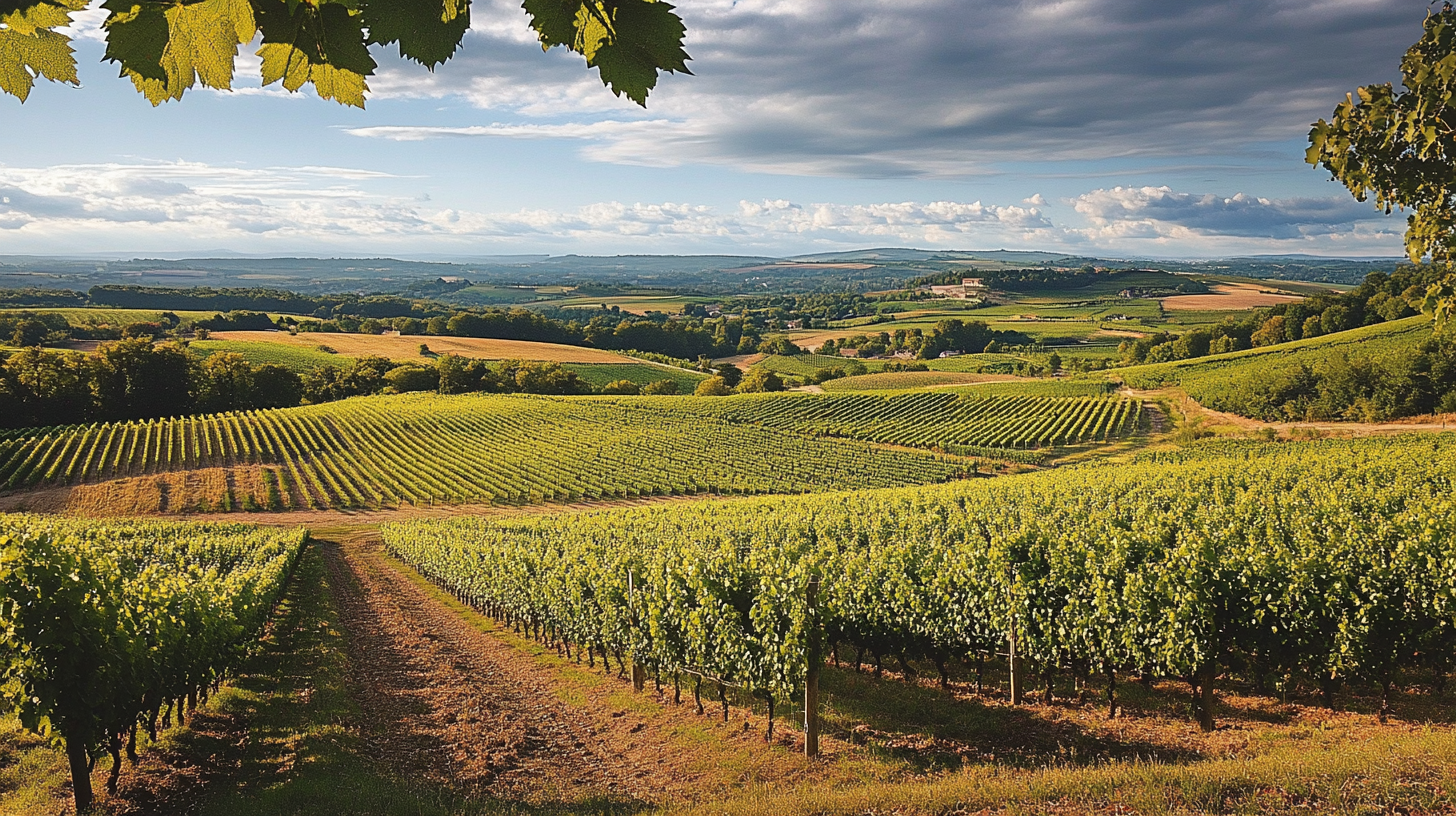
(900, 380)
(1298, 565)
(807, 365)
(383, 451)
(1039, 388)
(600, 374)
(1239, 382)
(953, 422)
(114, 627)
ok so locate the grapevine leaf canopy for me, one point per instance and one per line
(1400, 148)
(166, 47)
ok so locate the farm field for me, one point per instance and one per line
(300, 359)
(968, 423)
(1231, 296)
(897, 380)
(423, 449)
(407, 348)
(997, 594)
(261, 352)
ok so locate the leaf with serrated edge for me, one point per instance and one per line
(136, 37)
(427, 31)
(339, 84)
(286, 63)
(25, 57)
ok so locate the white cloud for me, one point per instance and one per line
(1161, 211)
(177, 205)
(98, 207)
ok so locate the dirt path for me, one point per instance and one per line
(447, 703)
(485, 712)
(1191, 408)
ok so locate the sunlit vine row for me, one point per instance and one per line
(106, 627)
(1315, 563)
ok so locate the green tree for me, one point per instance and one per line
(760, 380)
(660, 388)
(1400, 149)
(224, 382)
(713, 387)
(275, 387)
(29, 333)
(730, 374)
(166, 47)
(133, 379)
(622, 388)
(409, 378)
(45, 388)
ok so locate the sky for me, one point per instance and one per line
(1119, 128)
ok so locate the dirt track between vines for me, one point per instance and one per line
(445, 702)
(473, 710)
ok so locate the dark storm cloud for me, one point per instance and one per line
(941, 87)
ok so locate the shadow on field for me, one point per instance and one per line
(930, 728)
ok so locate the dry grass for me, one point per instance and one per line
(180, 492)
(407, 348)
(1229, 296)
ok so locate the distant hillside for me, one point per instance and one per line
(1373, 373)
(873, 270)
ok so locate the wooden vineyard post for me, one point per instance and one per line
(639, 675)
(811, 676)
(1013, 660)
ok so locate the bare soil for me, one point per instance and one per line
(1229, 296)
(1192, 409)
(449, 701)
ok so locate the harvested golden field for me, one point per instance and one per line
(1230, 296)
(407, 347)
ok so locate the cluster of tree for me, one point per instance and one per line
(810, 310)
(205, 299)
(731, 380)
(140, 379)
(31, 298)
(653, 334)
(237, 320)
(854, 368)
(33, 328)
(1351, 387)
(135, 379)
(954, 335)
(1382, 297)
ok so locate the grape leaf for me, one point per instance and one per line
(629, 42)
(198, 44)
(136, 38)
(322, 44)
(286, 63)
(428, 31)
(648, 38)
(29, 49)
(42, 54)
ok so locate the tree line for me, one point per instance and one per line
(140, 379)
